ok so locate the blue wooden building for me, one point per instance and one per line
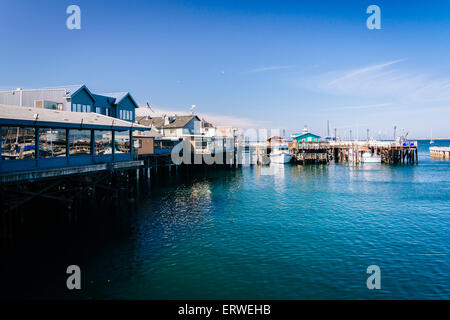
(306, 138)
(78, 98)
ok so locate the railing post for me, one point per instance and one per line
(113, 144)
(93, 143)
(36, 139)
(68, 145)
(131, 145)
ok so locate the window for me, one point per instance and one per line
(52, 143)
(89, 108)
(103, 142)
(74, 107)
(98, 110)
(84, 108)
(201, 144)
(121, 114)
(18, 143)
(80, 142)
(107, 111)
(79, 108)
(122, 142)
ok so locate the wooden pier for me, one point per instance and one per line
(440, 153)
(388, 152)
(310, 153)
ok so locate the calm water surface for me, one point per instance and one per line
(279, 232)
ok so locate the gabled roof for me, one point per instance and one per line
(158, 122)
(306, 135)
(119, 96)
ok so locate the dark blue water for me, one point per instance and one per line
(284, 232)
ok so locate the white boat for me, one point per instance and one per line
(280, 154)
(368, 157)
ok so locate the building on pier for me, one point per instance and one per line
(306, 138)
(173, 126)
(36, 142)
(76, 98)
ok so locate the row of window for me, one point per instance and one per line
(88, 108)
(81, 107)
(19, 143)
(125, 115)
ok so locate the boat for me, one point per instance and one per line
(280, 154)
(369, 157)
(431, 138)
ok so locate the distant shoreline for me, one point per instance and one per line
(436, 139)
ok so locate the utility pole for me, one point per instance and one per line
(335, 134)
(351, 135)
(328, 128)
(395, 132)
(368, 134)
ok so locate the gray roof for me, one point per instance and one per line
(119, 96)
(14, 115)
(116, 95)
(158, 122)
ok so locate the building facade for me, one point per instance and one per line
(173, 126)
(119, 105)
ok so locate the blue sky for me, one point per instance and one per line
(273, 64)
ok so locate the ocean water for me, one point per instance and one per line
(276, 232)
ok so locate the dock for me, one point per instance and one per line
(323, 152)
(440, 153)
(391, 152)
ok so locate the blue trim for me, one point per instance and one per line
(7, 166)
(62, 125)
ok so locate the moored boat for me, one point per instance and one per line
(368, 157)
(280, 154)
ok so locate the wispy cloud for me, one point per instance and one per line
(386, 81)
(369, 106)
(216, 119)
(362, 71)
(271, 68)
